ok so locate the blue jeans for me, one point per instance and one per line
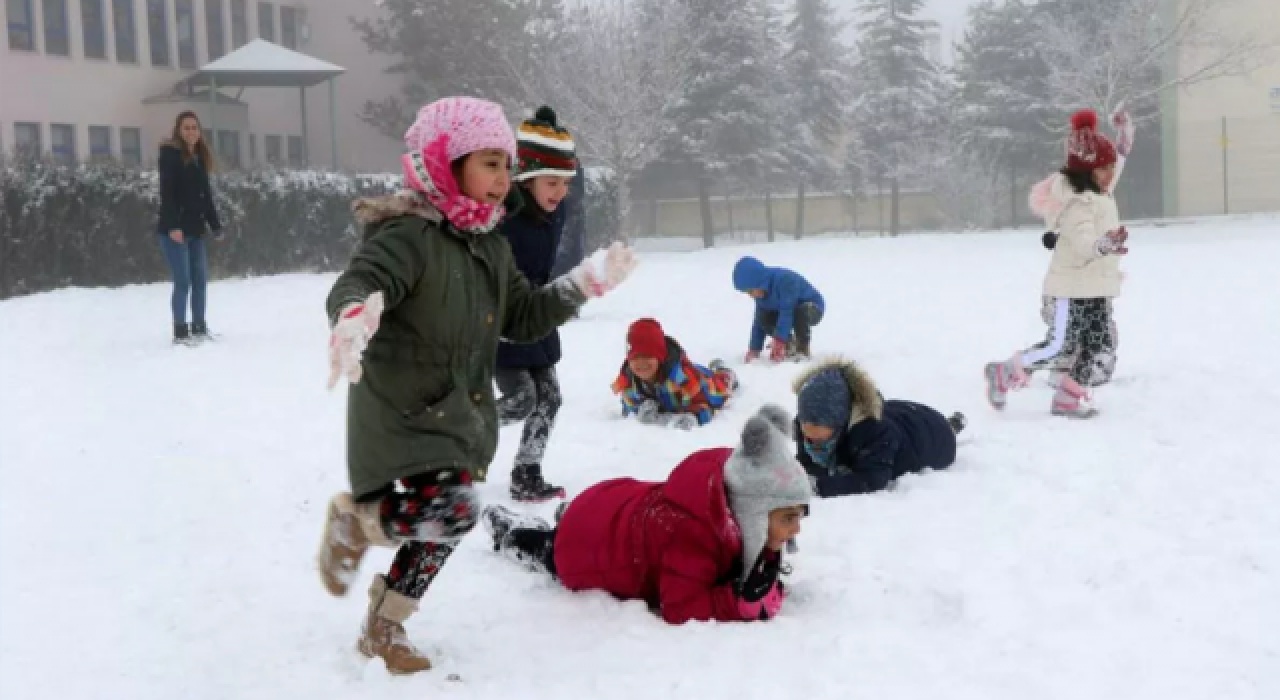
(189, 268)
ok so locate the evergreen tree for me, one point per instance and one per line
(817, 70)
(900, 92)
(454, 47)
(727, 123)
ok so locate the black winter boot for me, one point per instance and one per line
(528, 486)
(957, 421)
(182, 334)
(200, 332)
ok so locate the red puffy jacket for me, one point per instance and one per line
(674, 545)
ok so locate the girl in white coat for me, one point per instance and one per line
(1084, 273)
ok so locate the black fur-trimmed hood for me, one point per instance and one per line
(867, 401)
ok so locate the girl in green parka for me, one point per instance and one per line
(416, 317)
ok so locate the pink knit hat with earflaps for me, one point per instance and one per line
(443, 132)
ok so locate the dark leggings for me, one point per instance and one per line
(531, 396)
(427, 515)
(806, 316)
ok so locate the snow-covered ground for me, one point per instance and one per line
(160, 507)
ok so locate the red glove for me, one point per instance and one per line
(778, 350)
(1113, 243)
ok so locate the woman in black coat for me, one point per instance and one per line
(526, 373)
(186, 208)
(850, 440)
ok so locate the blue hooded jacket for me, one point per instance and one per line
(784, 291)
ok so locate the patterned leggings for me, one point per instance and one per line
(1079, 329)
(427, 515)
(1104, 362)
(531, 396)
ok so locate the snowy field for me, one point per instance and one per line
(160, 507)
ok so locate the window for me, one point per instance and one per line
(26, 139)
(272, 142)
(229, 148)
(289, 27)
(267, 21)
(213, 21)
(131, 145)
(239, 24)
(62, 142)
(253, 149)
(99, 142)
(22, 34)
(94, 25)
(158, 32)
(126, 31)
(57, 40)
(296, 156)
(185, 15)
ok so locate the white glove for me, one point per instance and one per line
(356, 325)
(684, 421)
(649, 414)
(604, 270)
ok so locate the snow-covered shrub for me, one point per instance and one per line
(95, 225)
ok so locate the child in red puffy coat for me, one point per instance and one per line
(679, 545)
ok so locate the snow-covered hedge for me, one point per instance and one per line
(94, 225)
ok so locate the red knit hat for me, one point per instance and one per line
(645, 338)
(1087, 148)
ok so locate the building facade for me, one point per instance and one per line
(83, 79)
(1221, 148)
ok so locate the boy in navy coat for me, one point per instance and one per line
(785, 303)
(851, 440)
(526, 373)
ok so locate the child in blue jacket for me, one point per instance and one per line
(851, 440)
(785, 302)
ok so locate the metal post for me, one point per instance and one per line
(1226, 187)
(302, 98)
(213, 115)
(333, 121)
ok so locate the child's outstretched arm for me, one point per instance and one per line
(390, 262)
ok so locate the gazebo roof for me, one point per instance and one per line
(261, 63)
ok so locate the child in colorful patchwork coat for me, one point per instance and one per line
(706, 544)
(851, 440)
(659, 384)
(785, 303)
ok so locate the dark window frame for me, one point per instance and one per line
(96, 153)
(25, 31)
(95, 42)
(131, 148)
(267, 21)
(57, 40)
(215, 30)
(161, 57)
(62, 154)
(125, 29)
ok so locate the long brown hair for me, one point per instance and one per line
(201, 149)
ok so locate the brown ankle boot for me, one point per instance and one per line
(349, 529)
(384, 635)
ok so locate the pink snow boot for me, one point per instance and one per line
(1003, 377)
(1072, 400)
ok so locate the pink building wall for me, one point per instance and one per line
(37, 87)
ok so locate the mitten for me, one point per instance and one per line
(1049, 239)
(684, 421)
(760, 596)
(649, 413)
(603, 271)
(1113, 243)
(349, 337)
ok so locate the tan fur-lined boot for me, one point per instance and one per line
(384, 635)
(349, 529)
